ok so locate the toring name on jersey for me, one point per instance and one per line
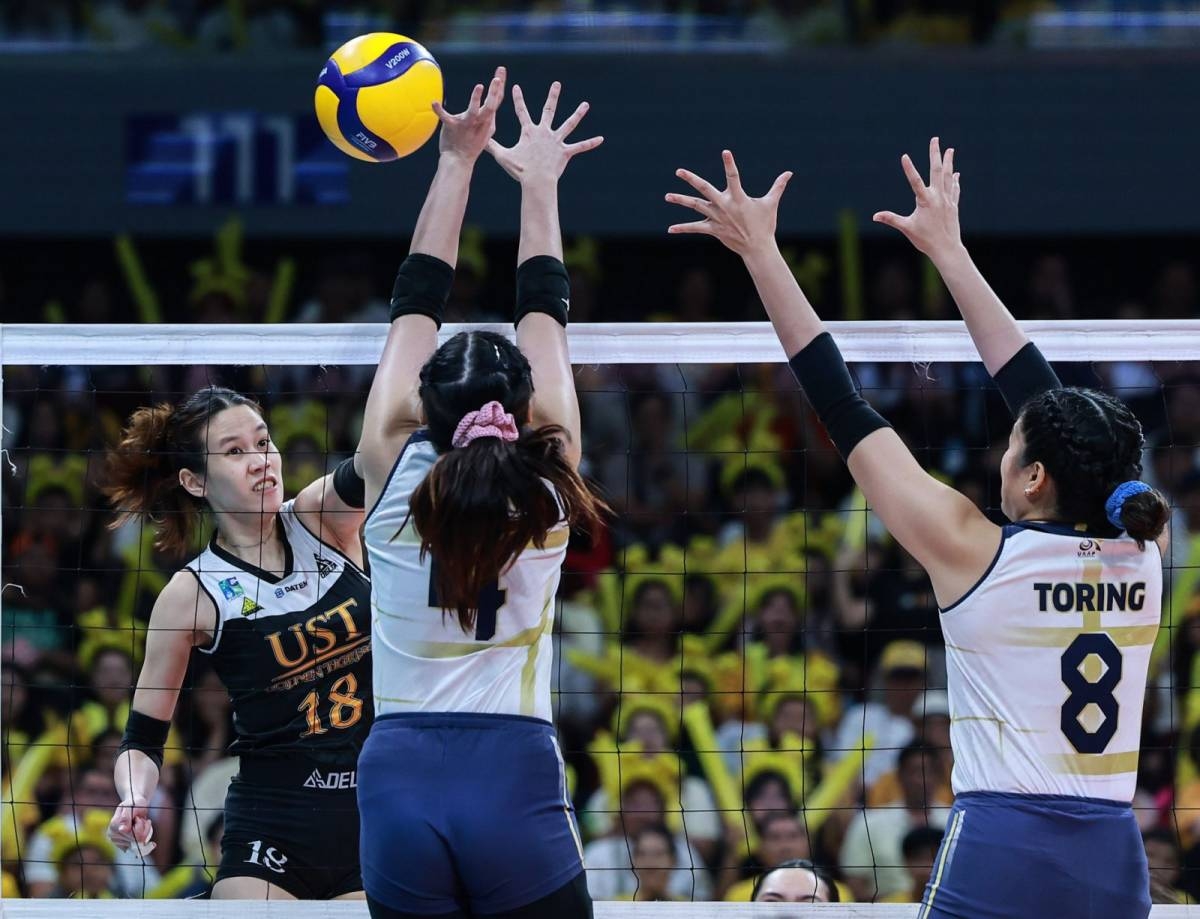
(1077, 597)
(310, 649)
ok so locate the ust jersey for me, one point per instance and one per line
(423, 660)
(1047, 660)
(293, 651)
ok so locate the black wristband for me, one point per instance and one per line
(825, 379)
(543, 287)
(422, 286)
(1027, 374)
(146, 734)
(348, 484)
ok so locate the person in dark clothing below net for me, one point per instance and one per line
(1049, 621)
(278, 600)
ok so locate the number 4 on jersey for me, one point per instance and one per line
(490, 601)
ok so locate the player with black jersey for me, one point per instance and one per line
(279, 601)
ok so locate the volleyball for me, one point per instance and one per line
(375, 95)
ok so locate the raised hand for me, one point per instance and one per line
(933, 225)
(467, 133)
(541, 153)
(740, 222)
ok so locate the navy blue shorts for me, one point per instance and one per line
(464, 812)
(1022, 856)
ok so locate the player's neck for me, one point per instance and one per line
(255, 540)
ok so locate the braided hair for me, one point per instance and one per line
(1090, 443)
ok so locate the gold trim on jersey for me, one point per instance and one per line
(1123, 636)
(1097, 763)
(529, 669)
(443, 650)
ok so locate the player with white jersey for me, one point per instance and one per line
(471, 452)
(1049, 621)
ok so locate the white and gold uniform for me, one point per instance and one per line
(424, 661)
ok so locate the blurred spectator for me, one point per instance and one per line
(1163, 855)
(796, 881)
(888, 722)
(783, 838)
(920, 849)
(653, 860)
(610, 875)
(871, 858)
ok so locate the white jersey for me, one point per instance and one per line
(1047, 658)
(424, 661)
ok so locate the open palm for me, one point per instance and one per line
(933, 225)
(541, 153)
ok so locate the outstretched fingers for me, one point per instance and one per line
(914, 179)
(495, 93)
(519, 106)
(948, 171)
(583, 146)
(572, 122)
(703, 186)
(699, 205)
(781, 182)
(935, 163)
(700, 226)
(733, 181)
(551, 105)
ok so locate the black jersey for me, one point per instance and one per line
(293, 651)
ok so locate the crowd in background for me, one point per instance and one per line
(748, 668)
(276, 26)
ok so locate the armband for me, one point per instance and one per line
(349, 485)
(1027, 374)
(422, 286)
(543, 287)
(822, 373)
(146, 734)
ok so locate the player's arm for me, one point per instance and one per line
(942, 529)
(537, 161)
(183, 615)
(332, 507)
(393, 408)
(1010, 357)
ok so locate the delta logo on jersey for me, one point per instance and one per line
(231, 588)
(249, 607)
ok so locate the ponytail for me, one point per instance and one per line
(482, 504)
(1139, 510)
(142, 472)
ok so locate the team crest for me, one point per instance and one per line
(324, 566)
(249, 607)
(231, 588)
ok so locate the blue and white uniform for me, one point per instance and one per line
(461, 785)
(1047, 658)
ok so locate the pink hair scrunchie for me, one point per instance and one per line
(490, 421)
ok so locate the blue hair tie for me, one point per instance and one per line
(1116, 501)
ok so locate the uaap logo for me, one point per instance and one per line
(1089, 548)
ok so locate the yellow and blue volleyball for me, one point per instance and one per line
(375, 95)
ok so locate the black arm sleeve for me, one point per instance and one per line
(422, 286)
(825, 379)
(146, 734)
(543, 287)
(1027, 374)
(348, 484)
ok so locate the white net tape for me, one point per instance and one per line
(600, 343)
(728, 343)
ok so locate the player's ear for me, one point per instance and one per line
(192, 483)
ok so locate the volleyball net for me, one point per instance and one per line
(743, 657)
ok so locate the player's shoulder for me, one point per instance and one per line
(182, 598)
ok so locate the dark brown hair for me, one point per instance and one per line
(1090, 442)
(482, 504)
(142, 471)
